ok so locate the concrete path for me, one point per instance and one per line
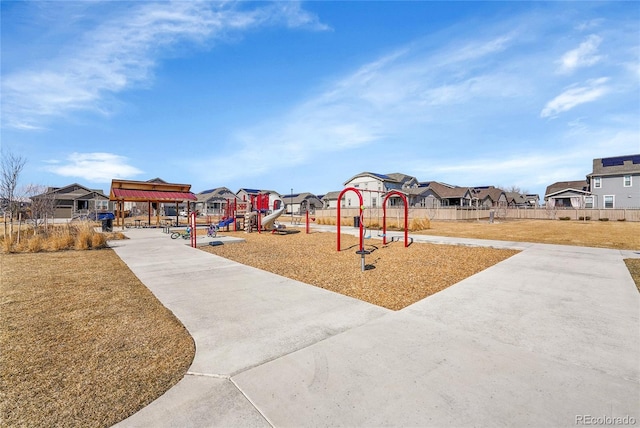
(549, 337)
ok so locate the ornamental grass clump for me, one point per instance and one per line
(82, 236)
(419, 224)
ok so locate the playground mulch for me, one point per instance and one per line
(82, 341)
(394, 278)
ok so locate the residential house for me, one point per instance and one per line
(374, 186)
(615, 182)
(532, 200)
(330, 199)
(568, 194)
(488, 197)
(214, 201)
(75, 200)
(434, 194)
(516, 200)
(300, 203)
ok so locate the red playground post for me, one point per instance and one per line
(192, 224)
(360, 207)
(406, 217)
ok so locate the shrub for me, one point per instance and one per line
(419, 224)
(604, 219)
(35, 244)
(584, 218)
(564, 218)
(622, 219)
(98, 240)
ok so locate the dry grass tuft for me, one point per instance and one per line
(77, 236)
(83, 342)
(418, 224)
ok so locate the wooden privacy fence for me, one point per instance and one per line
(374, 215)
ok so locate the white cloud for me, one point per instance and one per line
(122, 53)
(584, 55)
(574, 96)
(94, 167)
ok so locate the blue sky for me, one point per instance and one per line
(305, 95)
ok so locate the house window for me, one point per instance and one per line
(102, 205)
(626, 181)
(597, 182)
(374, 202)
(588, 201)
(349, 202)
(608, 201)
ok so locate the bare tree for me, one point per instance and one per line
(42, 206)
(11, 166)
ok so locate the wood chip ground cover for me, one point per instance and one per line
(395, 276)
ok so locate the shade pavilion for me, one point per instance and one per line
(155, 191)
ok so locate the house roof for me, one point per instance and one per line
(616, 165)
(484, 192)
(71, 191)
(561, 186)
(217, 193)
(297, 198)
(331, 196)
(447, 190)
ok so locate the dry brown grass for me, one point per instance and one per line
(634, 269)
(397, 276)
(83, 342)
(609, 234)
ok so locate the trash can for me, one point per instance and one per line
(356, 221)
(107, 225)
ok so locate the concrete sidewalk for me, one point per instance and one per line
(549, 337)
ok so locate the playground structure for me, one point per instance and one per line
(248, 215)
(361, 251)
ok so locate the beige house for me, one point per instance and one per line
(567, 194)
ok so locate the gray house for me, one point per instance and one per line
(615, 182)
(214, 201)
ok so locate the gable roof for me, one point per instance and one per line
(70, 191)
(297, 198)
(484, 192)
(561, 186)
(446, 191)
(217, 193)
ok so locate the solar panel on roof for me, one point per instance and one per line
(619, 160)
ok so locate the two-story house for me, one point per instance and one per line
(614, 183)
(374, 186)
